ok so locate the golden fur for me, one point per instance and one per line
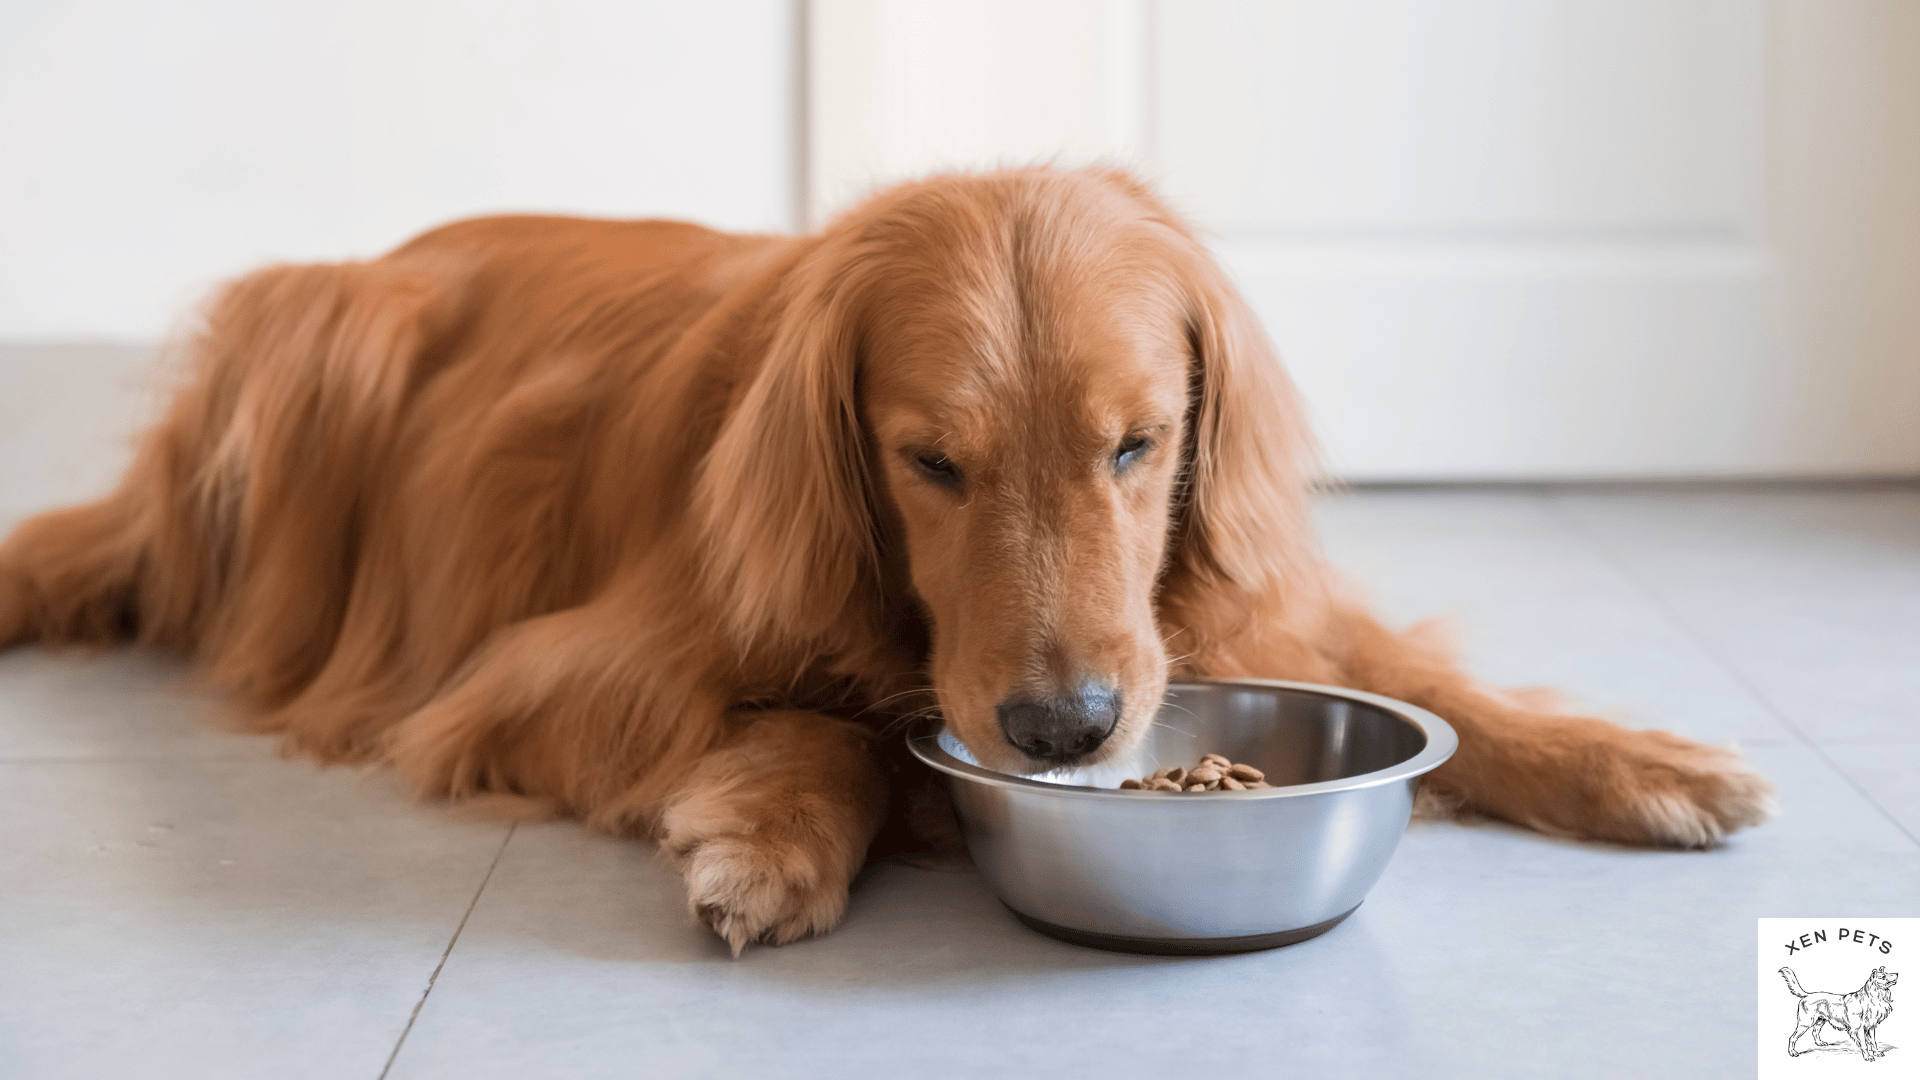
(634, 518)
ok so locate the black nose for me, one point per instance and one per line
(1063, 727)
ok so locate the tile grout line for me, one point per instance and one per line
(455, 940)
(1680, 623)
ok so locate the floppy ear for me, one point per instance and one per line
(1241, 522)
(781, 499)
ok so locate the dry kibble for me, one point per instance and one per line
(1214, 772)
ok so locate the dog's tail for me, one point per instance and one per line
(1793, 984)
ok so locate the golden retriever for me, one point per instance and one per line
(663, 526)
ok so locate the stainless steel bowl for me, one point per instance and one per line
(1211, 872)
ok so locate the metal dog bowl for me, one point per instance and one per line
(1208, 872)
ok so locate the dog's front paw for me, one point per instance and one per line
(1660, 789)
(770, 830)
(773, 892)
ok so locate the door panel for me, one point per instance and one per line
(1493, 239)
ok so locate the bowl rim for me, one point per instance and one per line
(1442, 741)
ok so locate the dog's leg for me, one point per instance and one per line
(68, 577)
(137, 563)
(1863, 1040)
(771, 826)
(1562, 775)
(611, 717)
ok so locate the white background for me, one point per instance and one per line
(1493, 238)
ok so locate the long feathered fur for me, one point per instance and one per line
(559, 508)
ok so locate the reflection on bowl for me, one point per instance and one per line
(1204, 872)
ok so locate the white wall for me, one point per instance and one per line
(152, 149)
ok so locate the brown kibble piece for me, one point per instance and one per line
(1214, 772)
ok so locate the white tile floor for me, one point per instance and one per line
(176, 902)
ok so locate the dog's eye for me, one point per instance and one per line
(937, 467)
(1129, 451)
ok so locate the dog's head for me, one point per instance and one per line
(1883, 978)
(1034, 396)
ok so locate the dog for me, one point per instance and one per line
(1858, 1014)
(667, 529)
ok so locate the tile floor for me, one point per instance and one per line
(177, 902)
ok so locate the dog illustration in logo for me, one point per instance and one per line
(1858, 1014)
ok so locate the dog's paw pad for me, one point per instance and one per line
(757, 892)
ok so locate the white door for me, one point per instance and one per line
(1492, 238)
